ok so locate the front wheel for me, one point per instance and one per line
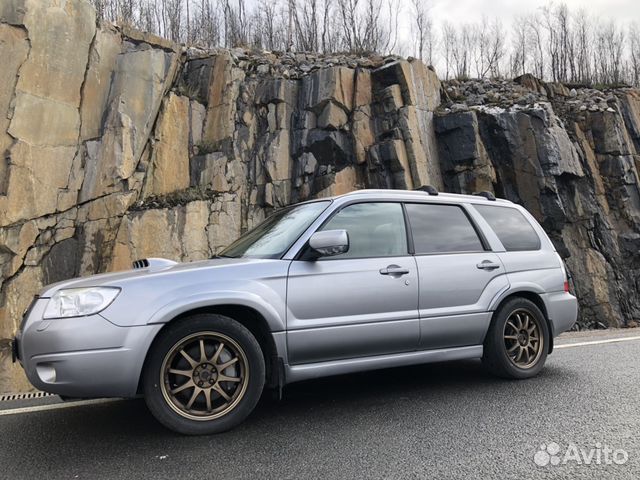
(518, 339)
(204, 375)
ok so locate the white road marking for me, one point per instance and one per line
(57, 406)
(80, 403)
(597, 342)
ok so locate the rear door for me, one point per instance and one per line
(458, 275)
(526, 258)
(361, 303)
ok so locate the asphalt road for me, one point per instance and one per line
(435, 421)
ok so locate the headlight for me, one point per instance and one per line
(78, 302)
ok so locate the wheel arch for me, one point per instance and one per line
(247, 316)
(537, 301)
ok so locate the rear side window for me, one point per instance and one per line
(441, 229)
(513, 229)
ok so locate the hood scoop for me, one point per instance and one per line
(153, 264)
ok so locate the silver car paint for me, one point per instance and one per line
(355, 311)
(454, 312)
(296, 373)
(89, 355)
(356, 321)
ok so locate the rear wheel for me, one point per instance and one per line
(204, 375)
(517, 342)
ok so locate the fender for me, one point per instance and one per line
(209, 299)
(515, 288)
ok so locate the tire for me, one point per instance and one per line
(190, 394)
(509, 352)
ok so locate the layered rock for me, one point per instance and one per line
(572, 158)
(118, 145)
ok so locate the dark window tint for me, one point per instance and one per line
(375, 229)
(513, 230)
(441, 228)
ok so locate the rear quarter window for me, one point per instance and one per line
(512, 228)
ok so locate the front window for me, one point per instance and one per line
(273, 237)
(374, 229)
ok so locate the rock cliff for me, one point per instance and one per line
(118, 145)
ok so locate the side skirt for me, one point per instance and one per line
(296, 373)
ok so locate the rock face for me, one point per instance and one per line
(119, 145)
(572, 158)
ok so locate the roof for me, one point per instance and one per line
(413, 194)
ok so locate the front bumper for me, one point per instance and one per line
(82, 357)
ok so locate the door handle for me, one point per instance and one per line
(394, 270)
(487, 265)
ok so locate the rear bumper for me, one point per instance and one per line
(83, 357)
(562, 309)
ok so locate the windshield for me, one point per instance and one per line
(273, 237)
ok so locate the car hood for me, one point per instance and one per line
(157, 267)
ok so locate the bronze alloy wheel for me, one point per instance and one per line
(523, 338)
(204, 376)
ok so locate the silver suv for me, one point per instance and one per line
(371, 279)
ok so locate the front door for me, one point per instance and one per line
(360, 303)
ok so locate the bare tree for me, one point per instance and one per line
(614, 45)
(101, 9)
(268, 32)
(536, 33)
(363, 29)
(634, 48)
(561, 14)
(326, 11)
(421, 25)
(583, 46)
(173, 20)
(374, 37)
(547, 20)
(520, 46)
(496, 51)
(305, 17)
(482, 43)
(394, 11)
(553, 42)
(348, 16)
(463, 50)
(448, 41)
(479, 45)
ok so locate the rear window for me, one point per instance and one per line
(513, 229)
(441, 229)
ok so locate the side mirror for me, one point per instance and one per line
(330, 242)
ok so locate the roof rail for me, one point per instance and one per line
(428, 189)
(488, 195)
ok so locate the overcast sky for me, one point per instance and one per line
(458, 12)
(472, 10)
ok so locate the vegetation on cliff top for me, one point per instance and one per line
(553, 43)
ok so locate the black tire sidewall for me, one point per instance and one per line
(496, 350)
(182, 328)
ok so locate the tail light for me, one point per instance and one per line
(568, 280)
